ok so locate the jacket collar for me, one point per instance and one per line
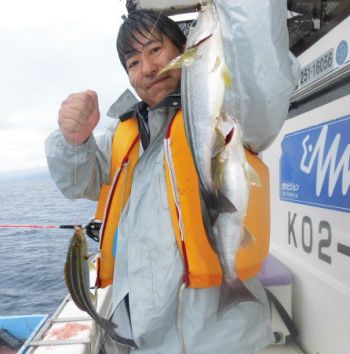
(141, 108)
(126, 107)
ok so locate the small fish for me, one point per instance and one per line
(76, 274)
(227, 233)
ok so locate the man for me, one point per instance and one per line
(148, 305)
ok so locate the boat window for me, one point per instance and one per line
(310, 20)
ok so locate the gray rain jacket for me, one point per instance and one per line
(148, 266)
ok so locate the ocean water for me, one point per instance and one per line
(32, 260)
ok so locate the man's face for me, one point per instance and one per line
(143, 65)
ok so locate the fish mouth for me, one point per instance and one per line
(155, 82)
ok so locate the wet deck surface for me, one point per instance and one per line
(282, 349)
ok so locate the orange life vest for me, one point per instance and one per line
(201, 264)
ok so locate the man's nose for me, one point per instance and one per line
(149, 67)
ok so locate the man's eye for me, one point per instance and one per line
(132, 64)
(155, 50)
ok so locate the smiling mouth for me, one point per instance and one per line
(155, 82)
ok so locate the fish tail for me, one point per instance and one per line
(216, 204)
(110, 327)
(125, 341)
(232, 293)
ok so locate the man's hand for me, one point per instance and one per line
(78, 116)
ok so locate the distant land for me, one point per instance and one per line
(25, 174)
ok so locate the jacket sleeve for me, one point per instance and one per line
(264, 72)
(79, 171)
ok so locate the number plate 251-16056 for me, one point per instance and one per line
(317, 68)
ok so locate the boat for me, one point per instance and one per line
(17, 331)
(307, 272)
(70, 330)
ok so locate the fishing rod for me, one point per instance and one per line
(31, 226)
(92, 228)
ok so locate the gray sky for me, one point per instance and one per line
(49, 49)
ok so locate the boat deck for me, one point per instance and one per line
(71, 330)
(291, 348)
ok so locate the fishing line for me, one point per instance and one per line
(75, 172)
(154, 26)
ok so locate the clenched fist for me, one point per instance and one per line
(78, 116)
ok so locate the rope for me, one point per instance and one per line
(180, 318)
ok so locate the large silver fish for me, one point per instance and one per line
(76, 274)
(220, 161)
(203, 81)
(234, 176)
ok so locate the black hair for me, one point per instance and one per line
(145, 22)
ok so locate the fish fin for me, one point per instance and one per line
(233, 293)
(219, 142)
(223, 135)
(216, 204)
(218, 157)
(217, 169)
(226, 76)
(92, 265)
(110, 328)
(217, 64)
(251, 175)
(185, 59)
(226, 126)
(208, 221)
(225, 73)
(127, 342)
(248, 238)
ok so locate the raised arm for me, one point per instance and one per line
(79, 163)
